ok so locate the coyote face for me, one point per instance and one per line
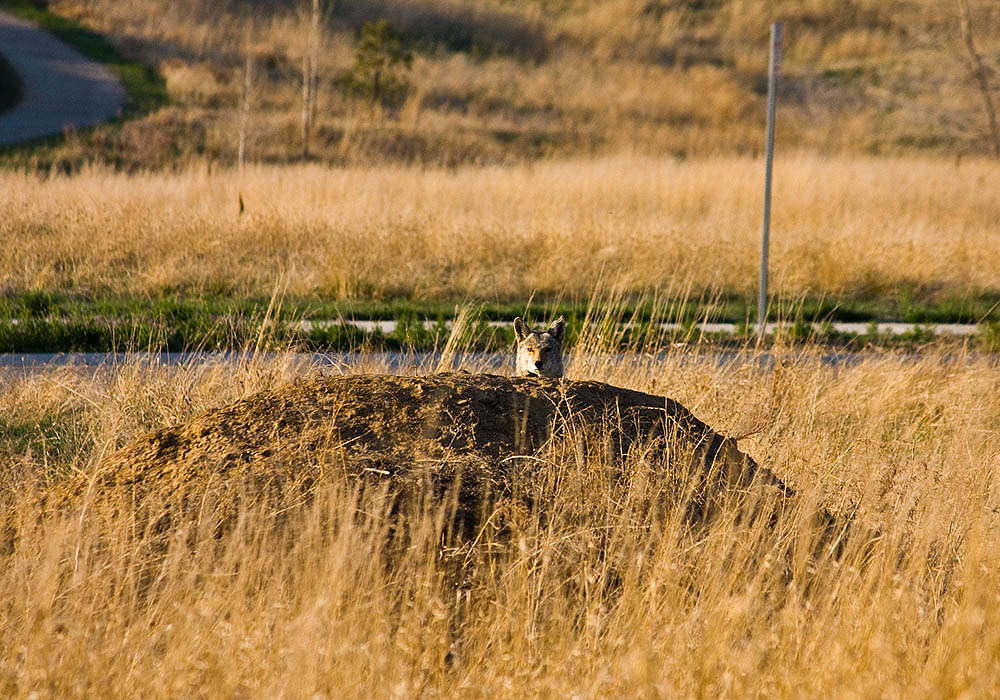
(539, 353)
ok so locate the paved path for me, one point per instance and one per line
(889, 327)
(61, 87)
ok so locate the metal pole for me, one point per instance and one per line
(774, 68)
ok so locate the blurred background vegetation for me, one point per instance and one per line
(491, 81)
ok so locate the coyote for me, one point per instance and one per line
(539, 353)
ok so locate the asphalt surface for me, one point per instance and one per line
(886, 328)
(62, 88)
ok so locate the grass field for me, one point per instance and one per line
(598, 595)
(552, 156)
(848, 228)
(419, 222)
(510, 81)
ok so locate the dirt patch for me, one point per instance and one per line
(480, 436)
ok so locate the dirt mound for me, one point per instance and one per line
(479, 432)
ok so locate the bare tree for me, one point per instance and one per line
(979, 71)
(251, 52)
(313, 15)
(245, 105)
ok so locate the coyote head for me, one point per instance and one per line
(539, 353)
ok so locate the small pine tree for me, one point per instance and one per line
(379, 59)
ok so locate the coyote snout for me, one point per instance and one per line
(539, 353)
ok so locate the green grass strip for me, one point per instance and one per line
(732, 309)
(38, 321)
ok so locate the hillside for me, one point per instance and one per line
(496, 81)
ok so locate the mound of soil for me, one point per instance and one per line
(418, 432)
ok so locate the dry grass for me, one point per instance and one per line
(849, 227)
(505, 81)
(601, 596)
(596, 592)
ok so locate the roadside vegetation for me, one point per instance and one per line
(594, 590)
(34, 323)
(179, 258)
(851, 228)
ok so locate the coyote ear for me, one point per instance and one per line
(521, 330)
(558, 328)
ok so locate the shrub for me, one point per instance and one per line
(379, 60)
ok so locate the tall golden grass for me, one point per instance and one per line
(499, 81)
(847, 226)
(597, 595)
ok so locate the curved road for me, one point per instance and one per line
(61, 87)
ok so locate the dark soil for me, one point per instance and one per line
(482, 437)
